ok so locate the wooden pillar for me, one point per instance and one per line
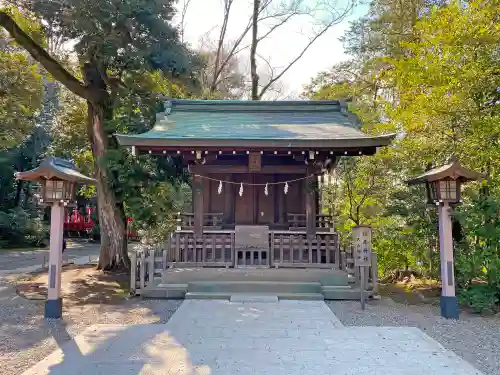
(229, 201)
(281, 200)
(255, 200)
(310, 193)
(198, 205)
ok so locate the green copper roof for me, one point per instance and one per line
(240, 121)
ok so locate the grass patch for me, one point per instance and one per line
(412, 292)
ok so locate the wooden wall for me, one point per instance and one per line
(254, 206)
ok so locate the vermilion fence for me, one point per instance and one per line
(80, 225)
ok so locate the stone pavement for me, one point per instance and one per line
(224, 338)
(22, 261)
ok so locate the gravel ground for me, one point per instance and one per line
(26, 337)
(476, 339)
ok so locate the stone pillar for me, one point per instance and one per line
(449, 301)
(53, 306)
(198, 205)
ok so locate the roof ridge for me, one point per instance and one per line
(189, 105)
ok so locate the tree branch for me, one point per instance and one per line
(305, 49)
(40, 55)
(185, 7)
(222, 37)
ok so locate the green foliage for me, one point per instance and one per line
(20, 82)
(154, 191)
(428, 70)
(125, 36)
(480, 298)
(20, 97)
(148, 187)
(20, 228)
(478, 257)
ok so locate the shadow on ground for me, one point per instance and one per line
(81, 285)
(90, 297)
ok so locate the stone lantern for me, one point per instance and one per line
(58, 178)
(443, 186)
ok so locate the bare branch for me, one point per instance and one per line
(253, 51)
(222, 37)
(321, 32)
(184, 9)
(234, 49)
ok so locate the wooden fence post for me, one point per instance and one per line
(374, 273)
(133, 271)
(164, 264)
(151, 263)
(142, 270)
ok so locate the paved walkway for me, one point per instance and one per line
(21, 261)
(223, 338)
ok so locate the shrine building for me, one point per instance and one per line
(255, 167)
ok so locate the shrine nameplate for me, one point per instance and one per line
(254, 162)
(362, 236)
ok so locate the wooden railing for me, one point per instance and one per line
(297, 249)
(251, 257)
(210, 220)
(147, 266)
(215, 248)
(298, 221)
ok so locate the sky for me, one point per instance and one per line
(204, 17)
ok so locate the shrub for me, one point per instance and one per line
(20, 228)
(480, 297)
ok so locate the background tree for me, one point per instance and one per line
(429, 71)
(112, 39)
(265, 19)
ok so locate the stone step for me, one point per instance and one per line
(253, 287)
(249, 298)
(302, 296)
(343, 293)
(168, 291)
(244, 297)
(205, 295)
(180, 291)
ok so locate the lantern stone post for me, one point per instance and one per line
(58, 179)
(443, 190)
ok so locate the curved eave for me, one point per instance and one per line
(299, 143)
(454, 171)
(44, 173)
(468, 176)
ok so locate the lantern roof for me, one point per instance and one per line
(52, 168)
(453, 169)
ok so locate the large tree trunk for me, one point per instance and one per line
(253, 51)
(113, 252)
(112, 221)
